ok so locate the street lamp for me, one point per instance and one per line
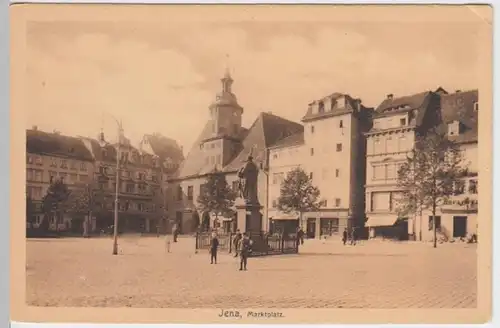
(117, 185)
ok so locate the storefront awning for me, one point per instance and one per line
(381, 221)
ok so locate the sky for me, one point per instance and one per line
(160, 75)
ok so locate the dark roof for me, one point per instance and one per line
(418, 102)
(349, 108)
(106, 153)
(55, 144)
(165, 147)
(265, 131)
(293, 140)
(459, 107)
(415, 101)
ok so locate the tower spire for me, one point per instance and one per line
(227, 81)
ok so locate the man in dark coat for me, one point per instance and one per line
(344, 236)
(214, 244)
(236, 242)
(245, 249)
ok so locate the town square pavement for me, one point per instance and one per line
(373, 274)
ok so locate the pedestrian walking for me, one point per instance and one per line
(245, 250)
(344, 236)
(214, 244)
(300, 236)
(175, 232)
(353, 236)
(236, 242)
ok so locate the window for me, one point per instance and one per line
(312, 128)
(378, 172)
(54, 162)
(402, 143)
(72, 165)
(29, 159)
(38, 160)
(179, 193)
(130, 187)
(402, 121)
(219, 162)
(472, 186)
(275, 156)
(337, 202)
(325, 203)
(140, 207)
(476, 106)
(390, 145)
(310, 175)
(453, 128)
(341, 124)
(275, 203)
(64, 164)
(63, 176)
(337, 173)
(339, 147)
(438, 223)
(83, 177)
(321, 107)
(235, 185)
(312, 151)
(377, 146)
(458, 187)
(380, 201)
(390, 170)
(83, 167)
(190, 193)
(73, 177)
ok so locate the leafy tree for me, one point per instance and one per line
(87, 199)
(428, 176)
(216, 196)
(53, 202)
(297, 193)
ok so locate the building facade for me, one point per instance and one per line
(51, 156)
(91, 163)
(396, 124)
(331, 149)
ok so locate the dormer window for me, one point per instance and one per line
(402, 121)
(321, 107)
(453, 128)
(476, 106)
(333, 104)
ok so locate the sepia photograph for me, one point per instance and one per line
(256, 163)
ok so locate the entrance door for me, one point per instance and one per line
(459, 226)
(311, 228)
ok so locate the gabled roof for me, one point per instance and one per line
(164, 147)
(459, 107)
(106, 153)
(265, 131)
(55, 144)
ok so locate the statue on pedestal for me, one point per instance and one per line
(248, 175)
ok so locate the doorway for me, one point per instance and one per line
(459, 226)
(311, 228)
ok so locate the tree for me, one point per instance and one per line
(297, 194)
(53, 202)
(216, 196)
(428, 176)
(87, 199)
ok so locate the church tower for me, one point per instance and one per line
(224, 139)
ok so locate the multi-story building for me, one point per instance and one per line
(331, 149)
(224, 145)
(142, 176)
(396, 123)
(51, 156)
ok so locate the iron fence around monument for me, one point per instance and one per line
(263, 244)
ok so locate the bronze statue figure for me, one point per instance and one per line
(248, 181)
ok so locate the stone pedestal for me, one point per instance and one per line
(249, 217)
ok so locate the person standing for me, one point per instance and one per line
(300, 236)
(236, 242)
(214, 244)
(245, 249)
(344, 236)
(175, 231)
(353, 236)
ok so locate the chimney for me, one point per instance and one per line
(390, 96)
(358, 104)
(34, 128)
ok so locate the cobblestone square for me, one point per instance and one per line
(373, 274)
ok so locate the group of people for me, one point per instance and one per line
(352, 236)
(242, 247)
